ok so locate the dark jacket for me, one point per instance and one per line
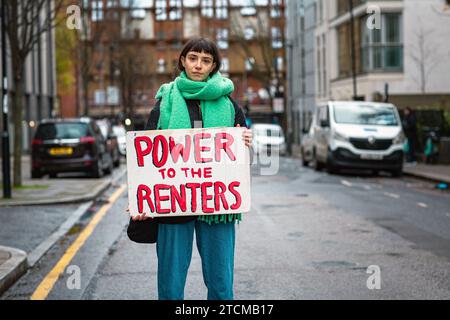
(410, 125)
(195, 115)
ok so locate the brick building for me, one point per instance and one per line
(132, 47)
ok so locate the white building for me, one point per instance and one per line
(401, 44)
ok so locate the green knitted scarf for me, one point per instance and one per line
(217, 111)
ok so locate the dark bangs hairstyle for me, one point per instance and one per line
(201, 45)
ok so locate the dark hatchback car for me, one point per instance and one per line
(69, 145)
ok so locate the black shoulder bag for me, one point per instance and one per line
(143, 231)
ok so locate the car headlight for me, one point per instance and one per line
(339, 137)
(399, 139)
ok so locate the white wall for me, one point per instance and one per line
(427, 15)
(417, 15)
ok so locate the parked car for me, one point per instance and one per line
(268, 138)
(69, 145)
(358, 134)
(120, 132)
(307, 146)
(111, 140)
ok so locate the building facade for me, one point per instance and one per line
(401, 52)
(135, 47)
(301, 71)
(40, 92)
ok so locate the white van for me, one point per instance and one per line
(358, 135)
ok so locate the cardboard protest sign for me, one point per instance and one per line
(187, 172)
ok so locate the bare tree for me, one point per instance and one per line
(425, 56)
(90, 42)
(133, 60)
(258, 49)
(25, 24)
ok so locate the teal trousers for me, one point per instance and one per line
(215, 244)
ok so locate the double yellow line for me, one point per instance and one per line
(44, 288)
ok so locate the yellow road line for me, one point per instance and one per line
(47, 284)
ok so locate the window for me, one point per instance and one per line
(276, 38)
(222, 38)
(221, 9)
(249, 63)
(382, 49)
(248, 11)
(111, 3)
(319, 11)
(64, 130)
(161, 65)
(207, 8)
(175, 11)
(275, 10)
(97, 10)
(225, 65)
(137, 13)
(249, 33)
(99, 97)
(161, 10)
(279, 61)
(137, 9)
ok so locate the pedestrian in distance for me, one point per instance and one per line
(199, 95)
(410, 128)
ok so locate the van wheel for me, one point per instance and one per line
(397, 173)
(305, 163)
(317, 165)
(331, 167)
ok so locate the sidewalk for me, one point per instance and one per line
(436, 173)
(13, 264)
(75, 191)
(67, 189)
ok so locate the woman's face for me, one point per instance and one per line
(197, 65)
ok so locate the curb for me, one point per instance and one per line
(423, 176)
(13, 268)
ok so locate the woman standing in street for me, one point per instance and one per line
(199, 97)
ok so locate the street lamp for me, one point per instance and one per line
(112, 47)
(290, 104)
(5, 136)
(352, 37)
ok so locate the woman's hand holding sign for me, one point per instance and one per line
(139, 217)
(248, 136)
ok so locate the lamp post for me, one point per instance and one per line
(5, 134)
(290, 104)
(111, 77)
(353, 58)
